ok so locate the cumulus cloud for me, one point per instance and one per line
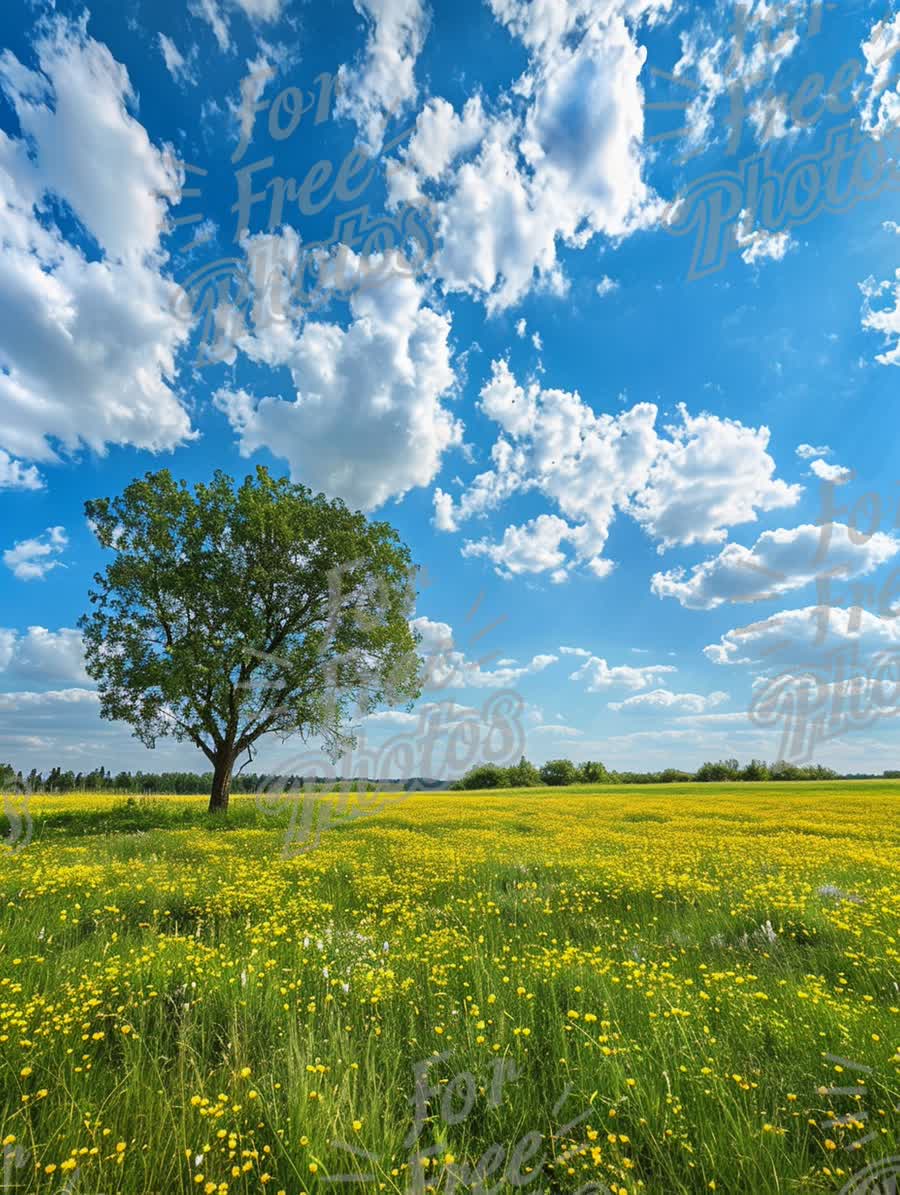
(807, 637)
(664, 701)
(557, 163)
(686, 486)
(32, 559)
(710, 475)
(87, 343)
(598, 675)
(779, 562)
(834, 473)
(885, 318)
(16, 476)
(367, 420)
(383, 81)
(532, 548)
(606, 286)
(41, 656)
(447, 667)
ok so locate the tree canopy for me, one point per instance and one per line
(230, 612)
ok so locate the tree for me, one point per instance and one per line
(756, 769)
(523, 774)
(591, 772)
(558, 771)
(485, 775)
(723, 769)
(233, 612)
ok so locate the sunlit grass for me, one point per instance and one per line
(672, 965)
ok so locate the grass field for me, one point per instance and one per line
(662, 990)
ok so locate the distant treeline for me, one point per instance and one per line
(101, 780)
(564, 771)
(521, 775)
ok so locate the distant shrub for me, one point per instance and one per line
(523, 774)
(592, 772)
(558, 772)
(485, 775)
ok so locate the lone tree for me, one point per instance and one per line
(233, 612)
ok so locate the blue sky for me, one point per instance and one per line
(605, 450)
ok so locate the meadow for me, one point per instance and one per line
(683, 988)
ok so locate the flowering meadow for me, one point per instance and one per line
(663, 990)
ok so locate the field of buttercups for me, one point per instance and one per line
(656, 990)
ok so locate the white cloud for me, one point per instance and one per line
(88, 148)
(746, 58)
(531, 548)
(210, 11)
(834, 473)
(11, 702)
(32, 559)
(383, 82)
(16, 476)
(444, 713)
(261, 10)
(557, 164)
(807, 638)
(252, 85)
(711, 475)
(664, 701)
(87, 345)
(558, 730)
(807, 451)
(779, 561)
(449, 668)
(600, 676)
(180, 68)
(439, 138)
(759, 244)
(41, 656)
(606, 286)
(708, 474)
(885, 320)
(367, 421)
(881, 105)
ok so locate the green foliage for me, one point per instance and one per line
(486, 775)
(723, 769)
(559, 771)
(523, 774)
(229, 612)
(592, 773)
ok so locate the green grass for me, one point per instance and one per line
(150, 953)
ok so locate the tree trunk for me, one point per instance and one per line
(221, 785)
